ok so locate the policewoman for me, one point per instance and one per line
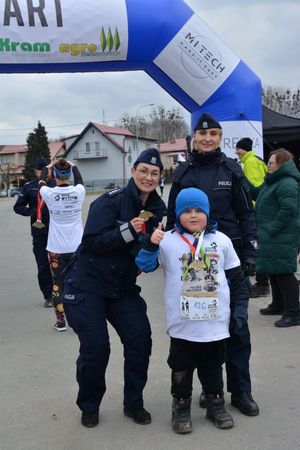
(26, 205)
(222, 179)
(101, 286)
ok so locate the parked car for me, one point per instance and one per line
(4, 193)
(14, 191)
(112, 186)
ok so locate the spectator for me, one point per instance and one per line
(254, 169)
(278, 222)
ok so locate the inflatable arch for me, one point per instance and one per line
(165, 38)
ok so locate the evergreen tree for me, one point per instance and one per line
(37, 147)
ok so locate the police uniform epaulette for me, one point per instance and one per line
(231, 164)
(115, 192)
(29, 182)
(180, 171)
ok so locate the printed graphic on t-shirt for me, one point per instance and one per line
(200, 285)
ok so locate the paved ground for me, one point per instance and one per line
(37, 373)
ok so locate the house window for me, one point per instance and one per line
(97, 145)
(87, 147)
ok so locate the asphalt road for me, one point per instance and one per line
(37, 373)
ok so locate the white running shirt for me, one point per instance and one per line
(175, 255)
(65, 205)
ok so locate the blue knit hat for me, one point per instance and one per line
(191, 198)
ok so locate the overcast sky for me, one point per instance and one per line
(263, 33)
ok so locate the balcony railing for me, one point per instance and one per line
(92, 154)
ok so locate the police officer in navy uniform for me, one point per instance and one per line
(26, 205)
(222, 179)
(100, 286)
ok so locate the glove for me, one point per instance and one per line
(249, 269)
(238, 318)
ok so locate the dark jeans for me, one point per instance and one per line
(285, 293)
(39, 244)
(207, 357)
(88, 313)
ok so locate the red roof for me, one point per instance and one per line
(175, 145)
(112, 130)
(9, 149)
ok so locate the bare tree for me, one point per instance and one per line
(161, 124)
(282, 100)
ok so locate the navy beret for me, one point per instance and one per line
(40, 163)
(206, 122)
(150, 156)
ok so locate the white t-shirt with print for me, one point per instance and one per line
(184, 274)
(65, 205)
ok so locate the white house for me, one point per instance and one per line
(106, 154)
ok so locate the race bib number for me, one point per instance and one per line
(199, 308)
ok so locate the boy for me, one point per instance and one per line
(197, 312)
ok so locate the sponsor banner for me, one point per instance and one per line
(197, 60)
(233, 131)
(63, 31)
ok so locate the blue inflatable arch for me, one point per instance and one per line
(165, 38)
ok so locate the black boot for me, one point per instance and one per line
(288, 320)
(245, 403)
(258, 290)
(271, 310)
(216, 411)
(181, 415)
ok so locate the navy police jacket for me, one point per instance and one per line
(26, 205)
(104, 262)
(223, 181)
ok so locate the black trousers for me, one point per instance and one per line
(39, 244)
(285, 293)
(87, 313)
(262, 279)
(207, 357)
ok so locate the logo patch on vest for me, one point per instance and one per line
(224, 183)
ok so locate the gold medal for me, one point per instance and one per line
(145, 215)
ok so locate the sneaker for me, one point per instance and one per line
(245, 403)
(60, 326)
(140, 416)
(259, 291)
(90, 419)
(288, 320)
(48, 303)
(270, 311)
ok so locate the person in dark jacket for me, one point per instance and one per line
(100, 286)
(26, 205)
(278, 222)
(222, 179)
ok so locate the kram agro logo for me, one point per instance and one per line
(109, 43)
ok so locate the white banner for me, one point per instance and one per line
(55, 31)
(234, 131)
(197, 60)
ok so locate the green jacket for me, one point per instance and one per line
(254, 168)
(278, 220)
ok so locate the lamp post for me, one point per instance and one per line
(137, 127)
